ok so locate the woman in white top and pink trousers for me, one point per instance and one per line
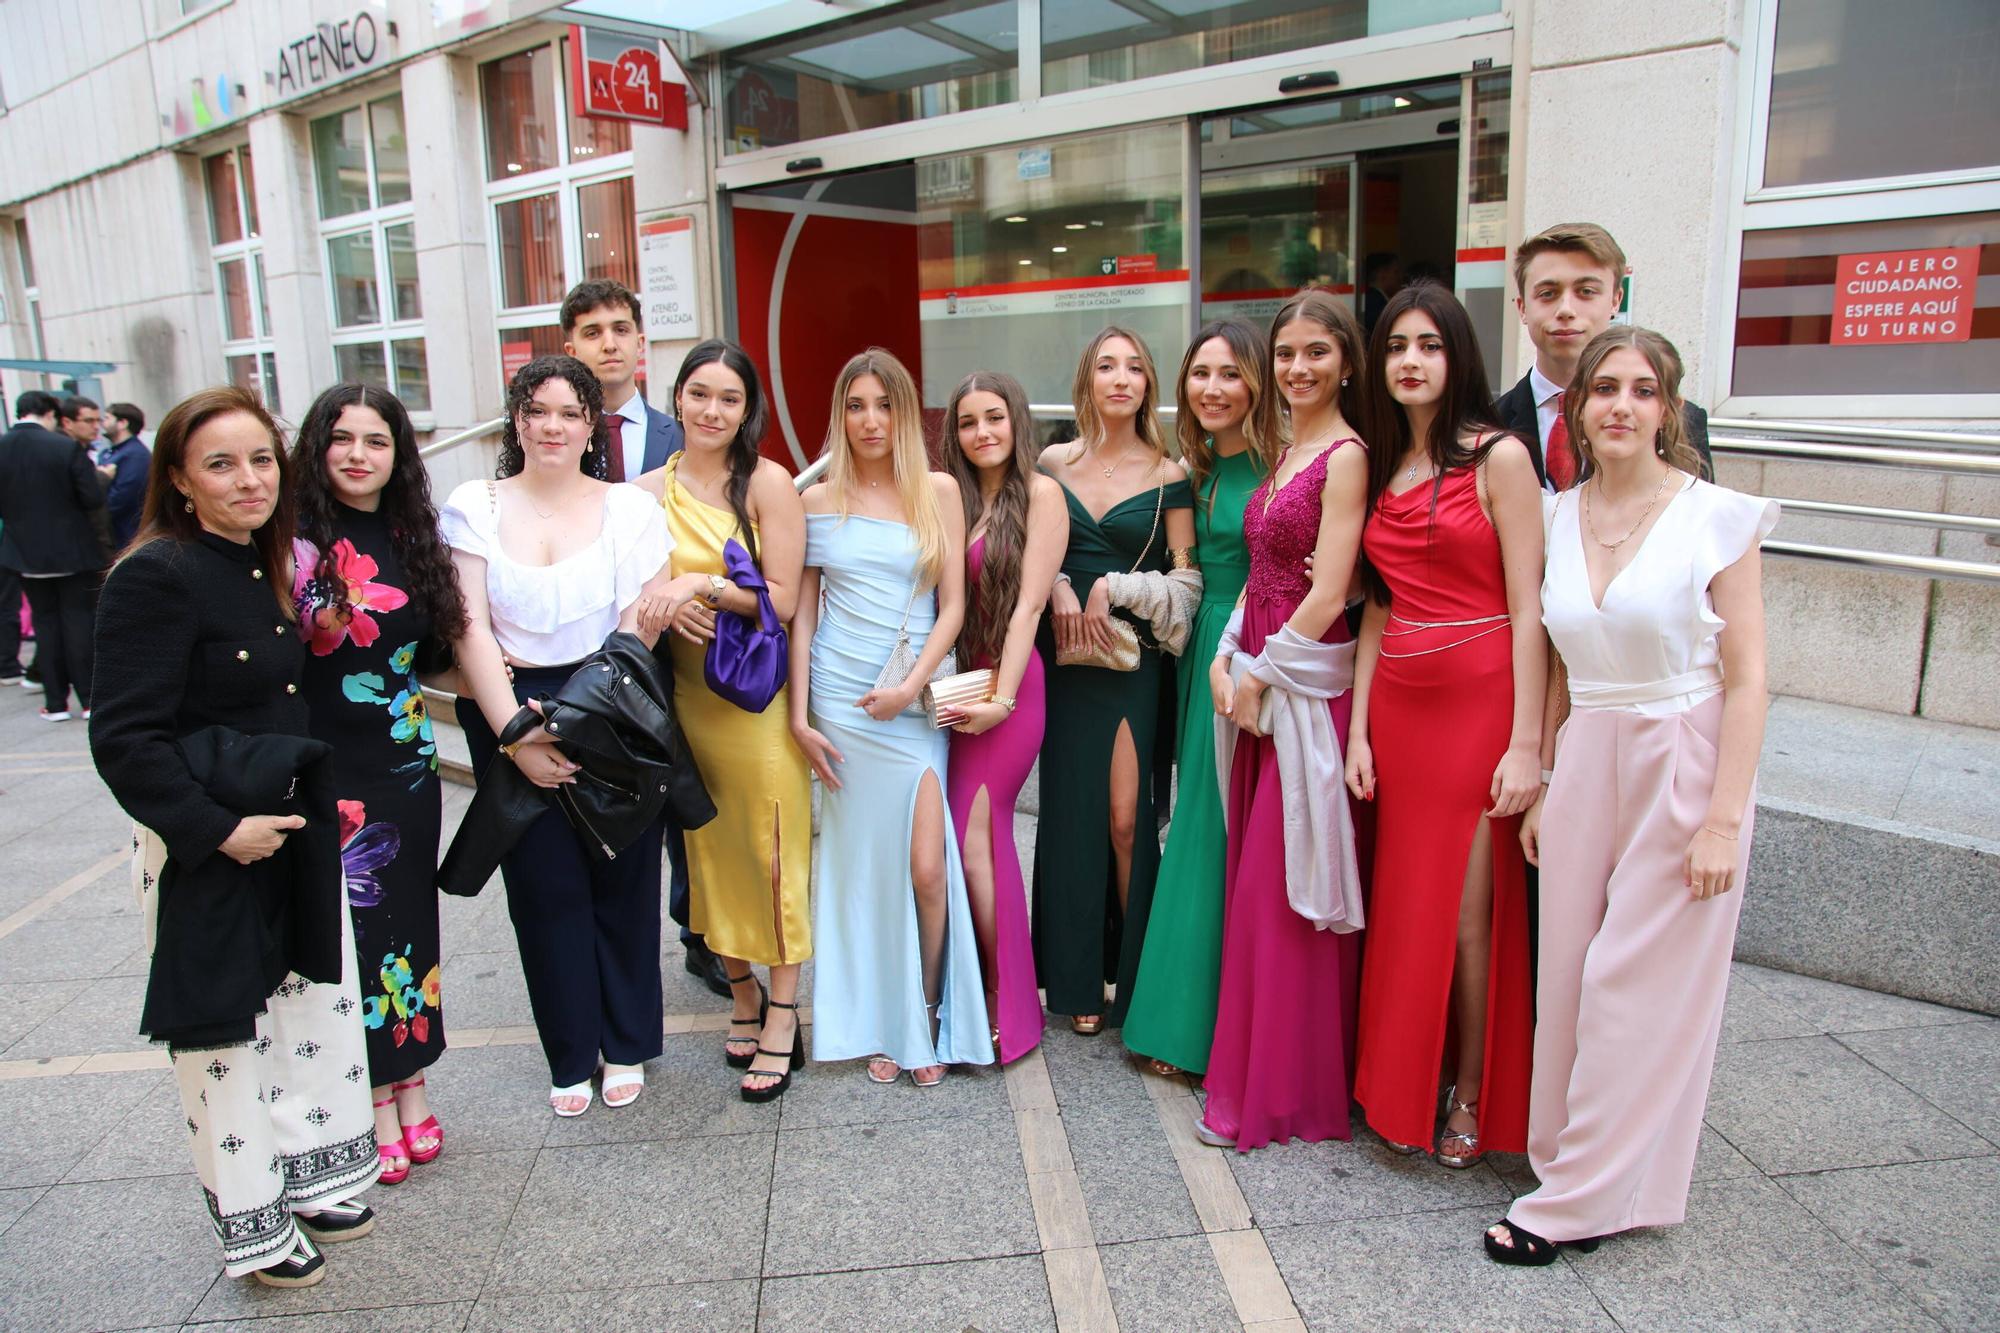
(1653, 601)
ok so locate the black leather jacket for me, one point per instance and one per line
(614, 718)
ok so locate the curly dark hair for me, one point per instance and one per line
(596, 460)
(406, 504)
(744, 450)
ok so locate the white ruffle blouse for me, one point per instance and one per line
(548, 615)
(1651, 648)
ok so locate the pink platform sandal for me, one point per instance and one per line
(397, 1150)
(429, 1129)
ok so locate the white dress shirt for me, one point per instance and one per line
(631, 424)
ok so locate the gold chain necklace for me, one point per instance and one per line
(1592, 527)
(1097, 457)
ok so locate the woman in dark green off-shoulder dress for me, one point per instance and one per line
(1096, 852)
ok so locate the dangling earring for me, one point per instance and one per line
(187, 502)
(590, 448)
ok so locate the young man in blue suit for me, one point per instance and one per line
(602, 327)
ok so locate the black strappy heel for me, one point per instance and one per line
(1529, 1250)
(734, 1060)
(797, 1057)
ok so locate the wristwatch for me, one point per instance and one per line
(717, 585)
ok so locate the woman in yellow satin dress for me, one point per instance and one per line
(749, 869)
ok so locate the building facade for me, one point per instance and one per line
(289, 192)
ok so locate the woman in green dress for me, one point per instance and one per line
(1229, 433)
(1128, 573)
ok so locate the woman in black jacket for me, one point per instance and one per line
(199, 654)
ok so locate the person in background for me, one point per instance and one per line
(1019, 527)
(128, 458)
(81, 420)
(1130, 521)
(1230, 434)
(1381, 278)
(1653, 598)
(378, 601)
(35, 408)
(550, 560)
(1568, 280)
(603, 328)
(51, 508)
(1447, 719)
(750, 868)
(897, 972)
(198, 630)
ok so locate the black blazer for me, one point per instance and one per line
(1516, 410)
(51, 502)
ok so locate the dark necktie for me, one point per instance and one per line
(617, 447)
(1558, 457)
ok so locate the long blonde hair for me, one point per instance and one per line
(906, 454)
(1090, 426)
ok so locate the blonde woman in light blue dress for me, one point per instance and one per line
(896, 974)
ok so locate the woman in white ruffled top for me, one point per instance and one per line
(1652, 597)
(552, 559)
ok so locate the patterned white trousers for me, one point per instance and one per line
(283, 1121)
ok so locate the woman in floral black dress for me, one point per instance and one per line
(377, 598)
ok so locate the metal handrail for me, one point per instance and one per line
(482, 430)
(1926, 566)
(1864, 455)
(1821, 430)
(1909, 517)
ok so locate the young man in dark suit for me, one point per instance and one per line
(1568, 281)
(602, 327)
(51, 500)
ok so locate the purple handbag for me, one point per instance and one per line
(746, 663)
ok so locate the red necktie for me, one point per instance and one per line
(617, 448)
(1558, 457)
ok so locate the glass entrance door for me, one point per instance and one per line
(1268, 232)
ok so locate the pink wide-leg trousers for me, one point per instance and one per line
(1633, 973)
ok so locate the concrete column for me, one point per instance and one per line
(1632, 124)
(441, 107)
(288, 219)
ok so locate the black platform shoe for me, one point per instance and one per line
(796, 1056)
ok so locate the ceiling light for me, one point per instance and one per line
(1016, 218)
(1075, 226)
(1402, 102)
(513, 166)
(1059, 250)
(1026, 262)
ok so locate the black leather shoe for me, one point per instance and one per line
(701, 963)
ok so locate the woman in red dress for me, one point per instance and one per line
(1445, 740)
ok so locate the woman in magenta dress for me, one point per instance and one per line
(1283, 1054)
(1017, 529)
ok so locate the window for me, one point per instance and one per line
(361, 164)
(559, 198)
(31, 292)
(1094, 42)
(916, 63)
(237, 250)
(1022, 272)
(1868, 280)
(1862, 90)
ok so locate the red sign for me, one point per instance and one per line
(512, 357)
(1905, 296)
(617, 77)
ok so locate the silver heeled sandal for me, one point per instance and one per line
(1471, 1152)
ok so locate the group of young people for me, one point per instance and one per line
(1353, 592)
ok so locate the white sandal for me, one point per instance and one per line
(582, 1090)
(630, 1078)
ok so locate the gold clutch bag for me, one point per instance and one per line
(1123, 654)
(949, 695)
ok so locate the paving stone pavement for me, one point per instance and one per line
(1846, 1179)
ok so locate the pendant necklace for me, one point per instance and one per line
(1099, 458)
(1612, 546)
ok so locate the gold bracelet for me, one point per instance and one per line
(511, 749)
(1008, 704)
(1182, 557)
(1732, 837)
